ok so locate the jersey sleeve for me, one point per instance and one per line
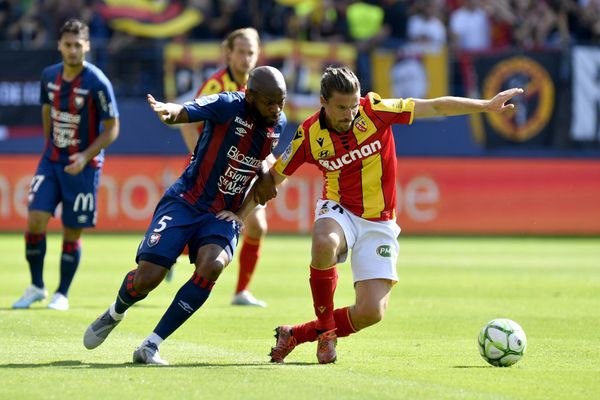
(104, 96)
(285, 136)
(44, 99)
(294, 155)
(214, 107)
(391, 111)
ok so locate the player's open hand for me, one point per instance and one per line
(231, 217)
(77, 164)
(498, 102)
(167, 112)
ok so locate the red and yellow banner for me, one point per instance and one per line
(435, 195)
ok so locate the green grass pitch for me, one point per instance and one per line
(425, 348)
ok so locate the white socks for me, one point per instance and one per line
(115, 315)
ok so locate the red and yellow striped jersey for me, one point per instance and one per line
(220, 81)
(358, 166)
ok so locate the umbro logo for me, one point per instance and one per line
(240, 131)
(185, 306)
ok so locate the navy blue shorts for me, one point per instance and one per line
(51, 185)
(176, 223)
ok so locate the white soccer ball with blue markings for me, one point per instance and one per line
(502, 342)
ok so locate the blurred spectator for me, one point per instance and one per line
(31, 30)
(590, 18)
(203, 30)
(470, 27)
(426, 31)
(230, 15)
(536, 20)
(365, 22)
(319, 21)
(394, 22)
(272, 19)
(502, 20)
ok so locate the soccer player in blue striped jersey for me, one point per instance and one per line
(80, 118)
(240, 132)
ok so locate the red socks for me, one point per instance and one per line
(322, 284)
(308, 332)
(248, 258)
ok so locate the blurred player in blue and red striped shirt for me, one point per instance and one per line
(80, 118)
(240, 131)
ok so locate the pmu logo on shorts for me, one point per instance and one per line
(384, 251)
(153, 239)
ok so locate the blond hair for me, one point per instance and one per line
(248, 33)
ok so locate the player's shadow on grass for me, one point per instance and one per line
(470, 366)
(80, 364)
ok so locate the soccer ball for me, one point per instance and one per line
(502, 342)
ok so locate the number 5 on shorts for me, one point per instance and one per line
(162, 224)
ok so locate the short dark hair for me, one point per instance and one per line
(338, 79)
(76, 27)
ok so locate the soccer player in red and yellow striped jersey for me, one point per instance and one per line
(350, 140)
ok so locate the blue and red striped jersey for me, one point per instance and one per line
(77, 108)
(228, 154)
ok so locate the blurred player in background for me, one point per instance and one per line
(241, 49)
(80, 118)
(241, 130)
(350, 140)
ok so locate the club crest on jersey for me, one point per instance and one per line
(274, 144)
(360, 124)
(153, 239)
(79, 102)
(204, 100)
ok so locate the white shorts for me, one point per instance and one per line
(374, 244)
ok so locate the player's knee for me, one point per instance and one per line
(210, 270)
(147, 278)
(257, 229)
(36, 223)
(325, 245)
(367, 316)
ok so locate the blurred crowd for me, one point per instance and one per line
(132, 58)
(474, 25)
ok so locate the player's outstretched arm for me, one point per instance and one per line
(449, 105)
(169, 113)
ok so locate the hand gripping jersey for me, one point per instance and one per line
(358, 166)
(76, 110)
(228, 154)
